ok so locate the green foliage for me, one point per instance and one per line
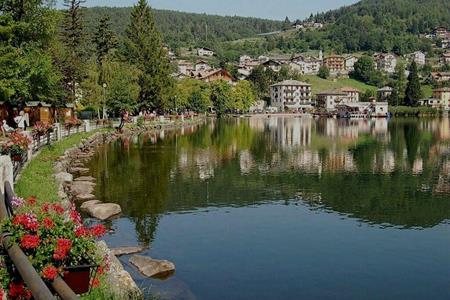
(365, 97)
(413, 111)
(243, 96)
(144, 49)
(365, 71)
(221, 97)
(324, 72)
(413, 89)
(104, 39)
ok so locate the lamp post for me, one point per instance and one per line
(104, 100)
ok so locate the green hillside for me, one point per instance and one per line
(320, 85)
(181, 29)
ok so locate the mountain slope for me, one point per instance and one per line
(186, 29)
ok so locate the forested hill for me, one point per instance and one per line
(187, 29)
(383, 25)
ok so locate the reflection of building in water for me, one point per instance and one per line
(340, 161)
(352, 129)
(291, 132)
(245, 162)
(443, 184)
(417, 166)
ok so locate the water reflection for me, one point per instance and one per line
(382, 172)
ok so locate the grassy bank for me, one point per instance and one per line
(37, 178)
(407, 111)
(321, 85)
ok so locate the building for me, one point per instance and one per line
(202, 65)
(213, 75)
(306, 65)
(440, 32)
(328, 100)
(352, 94)
(291, 94)
(350, 62)
(431, 102)
(298, 25)
(419, 57)
(335, 63)
(384, 93)
(244, 59)
(385, 62)
(443, 94)
(205, 52)
(440, 76)
(445, 58)
(272, 64)
(185, 67)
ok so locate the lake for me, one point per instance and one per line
(286, 208)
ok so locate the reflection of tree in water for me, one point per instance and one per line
(152, 179)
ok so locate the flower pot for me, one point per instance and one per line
(78, 278)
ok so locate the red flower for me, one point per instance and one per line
(98, 230)
(48, 223)
(100, 270)
(28, 221)
(75, 217)
(58, 208)
(31, 200)
(95, 282)
(16, 290)
(81, 231)
(2, 293)
(30, 241)
(50, 273)
(63, 247)
(45, 208)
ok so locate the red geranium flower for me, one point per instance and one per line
(50, 273)
(95, 282)
(81, 231)
(29, 241)
(75, 217)
(28, 221)
(48, 223)
(31, 200)
(16, 289)
(58, 208)
(2, 293)
(98, 230)
(63, 247)
(45, 208)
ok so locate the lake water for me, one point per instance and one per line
(286, 208)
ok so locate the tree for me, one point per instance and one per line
(324, 72)
(243, 96)
(199, 101)
(73, 38)
(104, 39)
(368, 94)
(399, 82)
(144, 49)
(413, 89)
(287, 24)
(220, 97)
(364, 69)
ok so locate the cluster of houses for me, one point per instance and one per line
(304, 25)
(442, 35)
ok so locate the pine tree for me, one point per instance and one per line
(413, 89)
(144, 49)
(104, 39)
(73, 39)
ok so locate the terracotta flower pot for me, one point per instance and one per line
(79, 278)
(17, 157)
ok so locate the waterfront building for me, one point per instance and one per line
(352, 94)
(443, 94)
(384, 92)
(291, 94)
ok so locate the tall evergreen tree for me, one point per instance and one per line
(413, 89)
(104, 39)
(144, 48)
(73, 37)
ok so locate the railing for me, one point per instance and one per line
(31, 278)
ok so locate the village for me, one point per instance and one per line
(304, 97)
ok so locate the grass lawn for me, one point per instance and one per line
(320, 85)
(37, 178)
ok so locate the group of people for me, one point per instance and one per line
(21, 121)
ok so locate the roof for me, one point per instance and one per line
(204, 48)
(446, 54)
(291, 82)
(385, 89)
(445, 90)
(272, 61)
(440, 73)
(333, 93)
(350, 89)
(37, 103)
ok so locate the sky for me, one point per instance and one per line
(269, 9)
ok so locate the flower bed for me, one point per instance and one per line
(41, 129)
(56, 242)
(16, 146)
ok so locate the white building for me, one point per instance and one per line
(352, 94)
(350, 62)
(386, 62)
(328, 100)
(205, 52)
(202, 65)
(291, 94)
(305, 65)
(244, 59)
(419, 57)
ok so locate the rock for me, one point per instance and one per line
(88, 204)
(85, 178)
(152, 267)
(104, 211)
(84, 197)
(80, 171)
(119, 281)
(63, 177)
(82, 187)
(62, 195)
(126, 250)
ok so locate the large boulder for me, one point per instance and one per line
(126, 250)
(63, 177)
(79, 171)
(82, 187)
(104, 211)
(84, 197)
(87, 204)
(152, 267)
(85, 178)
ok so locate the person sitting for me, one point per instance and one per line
(6, 128)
